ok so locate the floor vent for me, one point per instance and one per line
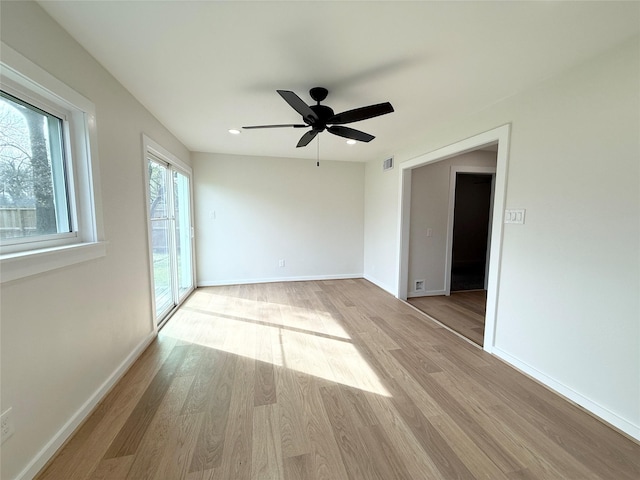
(387, 164)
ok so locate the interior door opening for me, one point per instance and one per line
(499, 139)
(471, 231)
(461, 306)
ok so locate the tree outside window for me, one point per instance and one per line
(33, 186)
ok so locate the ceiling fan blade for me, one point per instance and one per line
(306, 138)
(361, 113)
(298, 105)
(294, 125)
(352, 133)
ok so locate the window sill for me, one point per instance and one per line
(24, 264)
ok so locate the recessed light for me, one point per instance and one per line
(351, 142)
(234, 131)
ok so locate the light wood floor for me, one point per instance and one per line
(331, 380)
(463, 312)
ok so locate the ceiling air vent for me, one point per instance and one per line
(387, 164)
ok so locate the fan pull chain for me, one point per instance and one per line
(318, 152)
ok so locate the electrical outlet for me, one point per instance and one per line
(281, 263)
(6, 425)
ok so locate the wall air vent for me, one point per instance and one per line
(387, 164)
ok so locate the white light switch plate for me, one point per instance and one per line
(514, 215)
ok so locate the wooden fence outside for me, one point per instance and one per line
(17, 222)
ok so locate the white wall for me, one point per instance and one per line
(430, 210)
(381, 223)
(568, 310)
(65, 332)
(271, 209)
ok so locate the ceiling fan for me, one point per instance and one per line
(320, 117)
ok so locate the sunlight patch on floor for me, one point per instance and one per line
(305, 340)
(316, 321)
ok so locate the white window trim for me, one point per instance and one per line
(16, 70)
(68, 118)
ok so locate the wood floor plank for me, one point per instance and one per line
(358, 408)
(421, 365)
(210, 444)
(294, 438)
(265, 385)
(265, 381)
(299, 467)
(541, 456)
(112, 469)
(209, 474)
(325, 453)
(522, 475)
(383, 453)
(266, 460)
(451, 406)
(416, 460)
(238, 439)
(153, 442)
(130, 436)
(357, 458)
(405, 385)
(192, 361)
(376, 356)
(332, 380)
(175, 461)
(463, 312)
(447, 462)
(476, 461)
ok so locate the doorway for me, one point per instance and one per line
(470, 230)
(464, 259)
(500, 137)
(170, 234)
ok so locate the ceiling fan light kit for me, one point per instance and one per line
(321, 117)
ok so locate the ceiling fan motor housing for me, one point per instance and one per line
(324, 113)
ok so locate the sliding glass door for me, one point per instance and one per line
(182, 230)
(170, 235)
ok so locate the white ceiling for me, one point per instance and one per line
(204, 67)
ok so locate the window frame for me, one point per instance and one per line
(28, 82)
(20, 244)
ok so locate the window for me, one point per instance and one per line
(49, 207)
(34, 194)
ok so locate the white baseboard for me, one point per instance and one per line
(387, 288)
(244, 281)
(52, 446)
(599, 411)
(428, 293)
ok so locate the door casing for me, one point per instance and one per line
(500, 136)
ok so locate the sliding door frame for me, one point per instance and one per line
(153, 150)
